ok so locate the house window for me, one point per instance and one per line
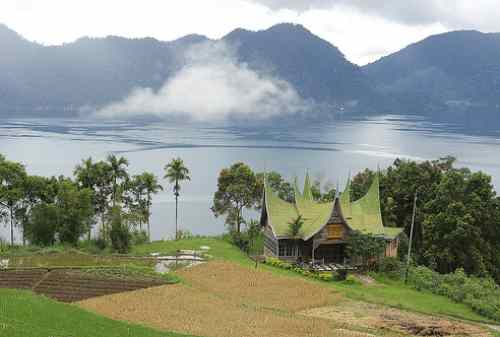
(282, 249)
(335, 232)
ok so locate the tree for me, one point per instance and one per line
(36, 190)
(120, 231)
(237, 189)
(277, 183)
(365, 247)
(142, 187)
(41, 228)
(12, 178)
(118, 172)
(295, 226)
(97, 177)
(75, 211)
(176, 172)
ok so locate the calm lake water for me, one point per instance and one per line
(329, 151)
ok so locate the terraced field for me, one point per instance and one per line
(72, 285)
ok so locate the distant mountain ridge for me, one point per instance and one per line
(452, 72)
(443, 74)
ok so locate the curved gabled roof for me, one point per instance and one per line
(362, 215)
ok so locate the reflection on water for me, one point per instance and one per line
(329, 151)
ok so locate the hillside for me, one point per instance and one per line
(452, 72)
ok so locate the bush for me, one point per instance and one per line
(120, 233)
(139, 237)
(340, 275)
(392, 267)
(351, 280)
(481, 294)
(42, 226)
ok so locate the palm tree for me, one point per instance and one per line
(175, 173)
(151, 186)
(295, 226)
(118, 171)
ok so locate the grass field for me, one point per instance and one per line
(23, 314)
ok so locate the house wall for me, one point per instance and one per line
(391, 250)
(270, 242)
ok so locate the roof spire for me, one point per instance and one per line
(307, 194)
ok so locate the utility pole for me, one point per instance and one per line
(408, 258)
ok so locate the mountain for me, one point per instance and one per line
(451, 75)
(315, 67)
(59, 80)
(448, 74)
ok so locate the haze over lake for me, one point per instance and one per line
(329, 151)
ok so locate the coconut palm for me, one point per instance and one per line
(118, 172)
(176, 172)
(150, 186)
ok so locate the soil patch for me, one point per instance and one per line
(380, 317)
(75, 285)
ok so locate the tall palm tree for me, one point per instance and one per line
(175, 173)
(150, 186)
(118, 172)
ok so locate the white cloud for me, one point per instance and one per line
(212, 85)
(455, 14)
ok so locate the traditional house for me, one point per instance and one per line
(326, 226)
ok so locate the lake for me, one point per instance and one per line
(329, 151)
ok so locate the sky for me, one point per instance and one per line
(364, 30)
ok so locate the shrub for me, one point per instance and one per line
(392, 267)
(120, 233)
(351, 280)
(481, 294)
(139, 237)
(42, 226)
(340, 275)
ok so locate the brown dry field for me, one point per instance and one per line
(222, 299)
(380, 317)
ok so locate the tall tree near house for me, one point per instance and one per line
(295, 226)
(176, 172)
(118, 175)
(237, 189)
(12, 178)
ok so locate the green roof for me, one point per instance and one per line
(361, 215)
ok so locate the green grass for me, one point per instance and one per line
(23, 314)
(219, 248)
(397, 294)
